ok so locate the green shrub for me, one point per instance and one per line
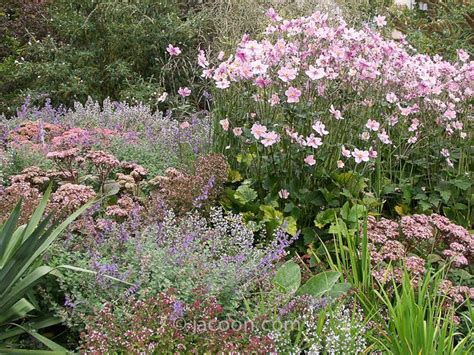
(100, 49)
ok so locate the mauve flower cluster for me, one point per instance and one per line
(165, 324)
(9, 197)
(411, 239)
(312, 58)
(182, 191)
(69, 197)
(124, 207)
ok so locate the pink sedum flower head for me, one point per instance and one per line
(270, 138)
(224, 124)
(360, 155)
(173, 51)
(309, 160)
(372, 125)
(293, 95)
(380, 21)
(284, 194)
(237, 131)
(258, 130)
(184, 92)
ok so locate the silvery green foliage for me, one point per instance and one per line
(215, 253)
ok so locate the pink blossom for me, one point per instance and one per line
(221, 55)
(345, 152)
(372, 125)
(237, 131)
(293, 95)
(315, 73)
(313, 141)
(271, 13)
(224, 124)
(222, 84)
(258, 130)
(360, 155)
(274, 100)
(340, 164)
(259, 68)
(391, 97)
(162, 97)
(320, 128)
(173, 51)
(284, 194)
(310, 160)
(287, 74)
(184, 92)
(337, 114)
(445, 153)
(184, 125)
(372, 153)
(270, 138)
(413, 139)
(384, 138)
(463, 55)
(380, 21)
(449, 113)
(202, 60)
(365, 136)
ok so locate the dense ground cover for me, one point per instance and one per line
(305, 187)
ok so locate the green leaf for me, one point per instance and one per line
(319, 284)
(17, 311)
(245, 194)
(324, 217)
(357, 212)
(446, 195)
(49, 343)
(339, 289)
(462, 184)
(39, 323)
(290, 226)
(271, 214)
(288, 277)
(7, 234)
